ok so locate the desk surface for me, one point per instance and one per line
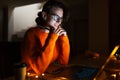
(73, 70)
(69, 72)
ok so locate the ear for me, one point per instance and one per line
(44, 15)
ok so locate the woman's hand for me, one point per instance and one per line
(60, 31)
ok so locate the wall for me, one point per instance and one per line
(114, 23)
(78, 26)
(1, 24)
(21, 19)
(99, 25)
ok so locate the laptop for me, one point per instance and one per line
(115, 53)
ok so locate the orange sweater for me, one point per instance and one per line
(40, 48)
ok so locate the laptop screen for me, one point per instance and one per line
(114, 54)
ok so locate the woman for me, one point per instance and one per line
(48, 41)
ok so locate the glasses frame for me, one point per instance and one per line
(56, 17)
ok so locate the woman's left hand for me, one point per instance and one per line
(60, 31)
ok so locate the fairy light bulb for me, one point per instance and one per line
(36, 76)
(43, 74)
(28, 74)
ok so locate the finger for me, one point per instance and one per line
(62, 33)
(58, 30)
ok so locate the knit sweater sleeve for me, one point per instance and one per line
(42, 61)
(45, 59)
(38, 62)
(64, 50)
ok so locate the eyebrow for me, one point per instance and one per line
(55, 14)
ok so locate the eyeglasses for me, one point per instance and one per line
(57, 18)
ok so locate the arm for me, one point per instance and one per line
(38, 63)
(44, 60)
(64, 50)
(63, 45)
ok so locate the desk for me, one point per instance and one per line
(69, 72)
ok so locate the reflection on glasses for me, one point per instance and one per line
(57, 18)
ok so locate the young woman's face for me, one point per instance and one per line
(54, 18)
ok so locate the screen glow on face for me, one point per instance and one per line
(57, 18)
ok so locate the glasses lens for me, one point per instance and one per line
(56, 17)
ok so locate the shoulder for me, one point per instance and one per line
(32, 29)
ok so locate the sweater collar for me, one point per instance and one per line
(45, 29)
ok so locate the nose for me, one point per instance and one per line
(59, 21)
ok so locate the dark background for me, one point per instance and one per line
(79, 28)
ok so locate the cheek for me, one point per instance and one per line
(51, 23)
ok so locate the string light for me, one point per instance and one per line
(114, 75)
(33, 76)
(28, 74)
(43, 74)
(36, 76)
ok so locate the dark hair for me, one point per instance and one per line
(39, 20)
(54, 3)
(48, 7)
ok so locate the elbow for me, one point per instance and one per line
(40, 71)
(64, 62)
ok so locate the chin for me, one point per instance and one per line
(55, 27)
